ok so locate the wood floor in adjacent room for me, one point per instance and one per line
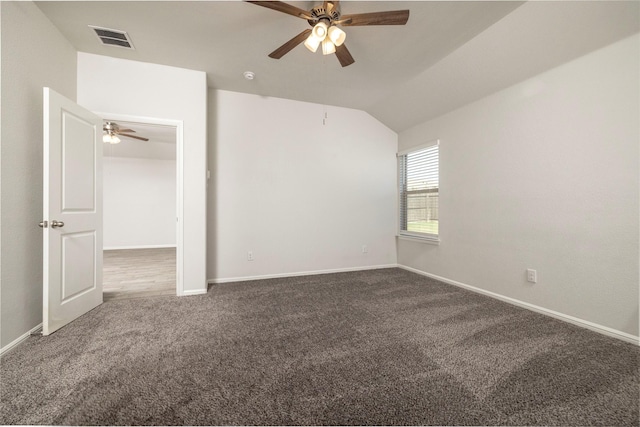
(135, 273)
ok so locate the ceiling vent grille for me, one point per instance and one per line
(111, 37)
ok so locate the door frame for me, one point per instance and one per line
(179, 124)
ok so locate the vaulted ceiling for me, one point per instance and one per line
(450, 53)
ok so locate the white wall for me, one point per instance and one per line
(34, 54)
(139, 203)
(544, 175)
(302, 196)
(123, 87)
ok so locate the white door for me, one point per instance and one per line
(72, 225)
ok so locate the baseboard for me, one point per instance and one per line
(300, 273)
(18, 340)
(113, 248)
(561, 316)
(194, 292)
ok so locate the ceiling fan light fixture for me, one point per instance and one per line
(312, 43)
(328, 47)
(111, 138)
(336, 35)
(320, 30)
(322, 18)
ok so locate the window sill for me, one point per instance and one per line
(426, 240)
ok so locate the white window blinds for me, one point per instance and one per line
(419, 188)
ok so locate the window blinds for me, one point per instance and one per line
(419, 188)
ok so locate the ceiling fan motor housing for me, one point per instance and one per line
(331, 13)
(111, 127)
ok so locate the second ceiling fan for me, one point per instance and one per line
(325, 20)
(111, 130)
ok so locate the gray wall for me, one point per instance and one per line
(544, 175)
(301, 195)
(34, 54)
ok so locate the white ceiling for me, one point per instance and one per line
(448, 54)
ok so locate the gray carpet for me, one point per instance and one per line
(381, 347)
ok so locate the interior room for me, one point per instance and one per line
(384, 212)
(139, 204)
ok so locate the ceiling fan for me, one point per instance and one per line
(112, 130)
(325, 20)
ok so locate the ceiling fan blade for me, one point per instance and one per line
(344, 56)
(325, 5)
(392, 17)
(285, 48)
(126, 130)
(330, 5)
(133, 136)
(283, 7)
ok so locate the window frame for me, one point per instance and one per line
(414, 235)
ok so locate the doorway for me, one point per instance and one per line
(142, 207)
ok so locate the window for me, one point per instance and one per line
(419, 187)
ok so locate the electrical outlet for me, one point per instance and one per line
(365, 249)
(250, 256)
(532, 276)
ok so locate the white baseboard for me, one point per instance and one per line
(561, 316)
(18, 340)
(300, 273)
(194, 292)
(113, 248)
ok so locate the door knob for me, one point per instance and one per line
(55, 224)
(43, 224)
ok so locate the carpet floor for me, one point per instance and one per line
(382, 347)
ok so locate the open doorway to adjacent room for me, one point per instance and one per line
(140, 205)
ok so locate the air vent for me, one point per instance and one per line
(113, 37)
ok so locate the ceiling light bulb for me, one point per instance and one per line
(328, 47)
(106, 138)
(320, 30)
(312, 43)
(114, 140)
(336, 35)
